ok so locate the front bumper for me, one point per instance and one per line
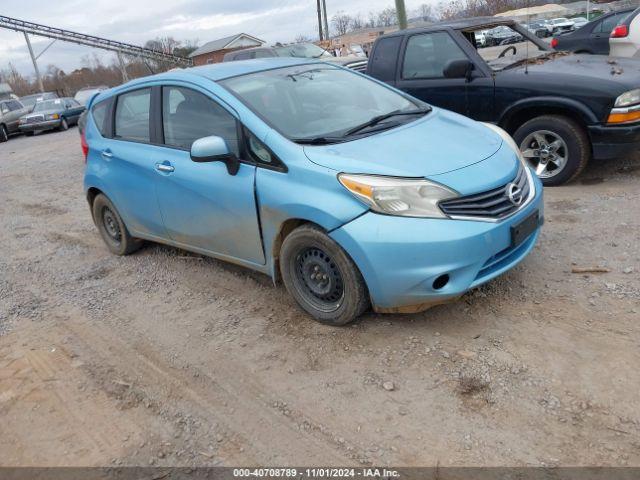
(614, 141)
(36, 127)
(401, 257)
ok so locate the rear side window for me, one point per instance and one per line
(383, 64)
(99, 112)
(188, 115)
(132, 115)
(426, 55)
(606, 26)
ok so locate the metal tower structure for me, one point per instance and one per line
(119, 48)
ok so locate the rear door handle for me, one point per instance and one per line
(164, 167)
(107, 153)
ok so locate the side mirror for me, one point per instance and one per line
(458, 69)
(214, 149)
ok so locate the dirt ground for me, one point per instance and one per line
(168, 358)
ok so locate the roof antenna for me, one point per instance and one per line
(526, 63)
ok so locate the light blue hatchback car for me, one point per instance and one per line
(352, 193)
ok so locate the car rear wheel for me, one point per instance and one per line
(112, 229)
(4, 135)
(555, 146)
(63, 125)
(321, 277)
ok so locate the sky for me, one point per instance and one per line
(135, 21)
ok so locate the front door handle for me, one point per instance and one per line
(107, 153)
(163, 167)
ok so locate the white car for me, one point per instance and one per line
(559, 25)
(481, 38)
(579, 22)
(624, 40)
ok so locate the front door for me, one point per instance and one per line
(202, 205)
(421, 75)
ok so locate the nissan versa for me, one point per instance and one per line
(352, 193)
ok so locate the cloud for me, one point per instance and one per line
(135, 21)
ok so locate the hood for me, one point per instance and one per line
(439, 142)
(613, 75)
(345, 60)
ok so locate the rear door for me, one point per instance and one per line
(127, 164)
(421, 74)
(202, 205)
(12, 117)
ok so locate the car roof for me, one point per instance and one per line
(463, 24)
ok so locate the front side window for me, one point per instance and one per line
(514, 47)
(4, 108)
(317, 100)
(132, 115)
(427, 55)
(188, 115)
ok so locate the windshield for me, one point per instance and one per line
(48, 105)
(311, 101)
(302, 50)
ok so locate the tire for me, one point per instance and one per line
(565, 148)
(111, 227)
(341, 295)
(64, 126)
(4, 134)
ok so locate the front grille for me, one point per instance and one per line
(493, 204)
(35, 119)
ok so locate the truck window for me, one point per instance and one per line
(427, 54)
(383, 64)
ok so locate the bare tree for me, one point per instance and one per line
(303, 39)
(387, 17)
(371, 22)
(356, 22)
(425, 11)
(340, 22)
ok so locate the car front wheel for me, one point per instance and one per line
(4, 135)
(321, 277)
(63, 125)
(555, 146)
(112, 229)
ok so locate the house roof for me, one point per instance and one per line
(223, 43)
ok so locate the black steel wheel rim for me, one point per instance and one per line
(111, 225)
(319, 279)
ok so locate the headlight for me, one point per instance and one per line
(398, 196)
(628, 98)
(53, 116)
(22, 121)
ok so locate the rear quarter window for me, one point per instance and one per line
(385, 57)
(99, 113)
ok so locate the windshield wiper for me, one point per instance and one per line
(379, 118)
(317, 140)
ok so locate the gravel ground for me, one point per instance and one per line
(169, 358)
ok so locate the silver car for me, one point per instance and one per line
(10, 112)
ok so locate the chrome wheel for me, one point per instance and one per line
(546, 152)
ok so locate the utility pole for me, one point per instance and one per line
(35, 64)
(319, 21)
(401, 13)
(327, 36)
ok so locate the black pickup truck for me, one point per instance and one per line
(561, 108)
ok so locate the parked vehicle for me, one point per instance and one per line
(59, 113)
(547, 100)
(579, 22)
(29, 101)
(593, 37)
(297, 50)
(349, 191)
(83, 95)
(559, 25)
(10, 112)
(540, 28)
(625, 37)
(481, 39)
(502, 35)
